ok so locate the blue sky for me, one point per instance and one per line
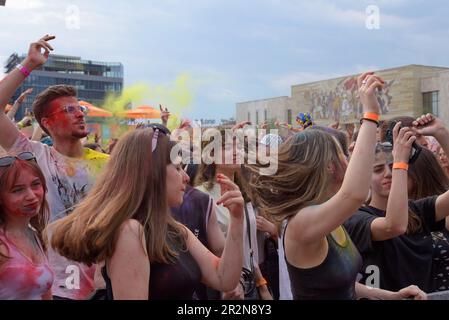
(234, 51)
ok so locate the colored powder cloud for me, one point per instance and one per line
(177, 97)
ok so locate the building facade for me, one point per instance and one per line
(409, 91)
(92, 79)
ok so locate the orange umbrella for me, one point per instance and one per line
(142, 112)
(95, 111)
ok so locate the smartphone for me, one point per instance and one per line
(416, 148)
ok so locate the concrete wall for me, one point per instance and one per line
(276, 109)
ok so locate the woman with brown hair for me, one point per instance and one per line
(224, 160)
(125, 222)
(25, 273)
(316, 190)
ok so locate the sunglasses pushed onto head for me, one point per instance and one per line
(9, 160)
(157, 128)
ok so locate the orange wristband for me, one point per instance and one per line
(371, 116)
(400, 165)
(261, 282)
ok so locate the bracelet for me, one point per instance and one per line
(370, 120)
(261, 282)
(371, 115)
(400, 165)
(24, 70)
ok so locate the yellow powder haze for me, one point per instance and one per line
(177, 97)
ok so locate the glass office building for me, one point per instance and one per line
(93, 79)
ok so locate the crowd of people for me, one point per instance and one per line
(354, 213)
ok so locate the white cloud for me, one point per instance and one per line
(326, 13)
(24, 4)
(284, 82)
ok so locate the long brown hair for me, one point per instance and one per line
(8, 176)
(206, 174)
(302, 178)
(427, 175)
(132, 186)
(428, 179)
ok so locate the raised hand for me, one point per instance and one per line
(367, 84)
(185, 124)
(231, 197)
(165, 114)
(428, 125)
(240, 125)
(23, 96)
(403, 139)
(36, 57)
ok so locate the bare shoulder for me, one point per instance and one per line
(131, 232)
(131, 226)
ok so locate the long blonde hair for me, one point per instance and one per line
(132, 186)
(302, 178)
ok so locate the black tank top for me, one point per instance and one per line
(333, 279)
(168, 281)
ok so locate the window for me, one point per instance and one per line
(289, 116)
(430, 102)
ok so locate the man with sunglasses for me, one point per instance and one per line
(69, 168)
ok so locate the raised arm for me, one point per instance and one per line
(34, 59)
(396, 218)
(313, 223)
(11, 113)
(215, 236)
(429, 125)
(223, 273)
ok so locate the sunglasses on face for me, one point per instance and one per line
(71, 110)
(9, 160)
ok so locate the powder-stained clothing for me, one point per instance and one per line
(68, 181)
(21, 278)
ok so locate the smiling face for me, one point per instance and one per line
(22, 197)
(63, 124)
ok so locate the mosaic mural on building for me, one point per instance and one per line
(341, 102)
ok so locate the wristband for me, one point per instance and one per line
(261, 282)
(370, 120)
(24, 70)
(371, 115)
(400, 165)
